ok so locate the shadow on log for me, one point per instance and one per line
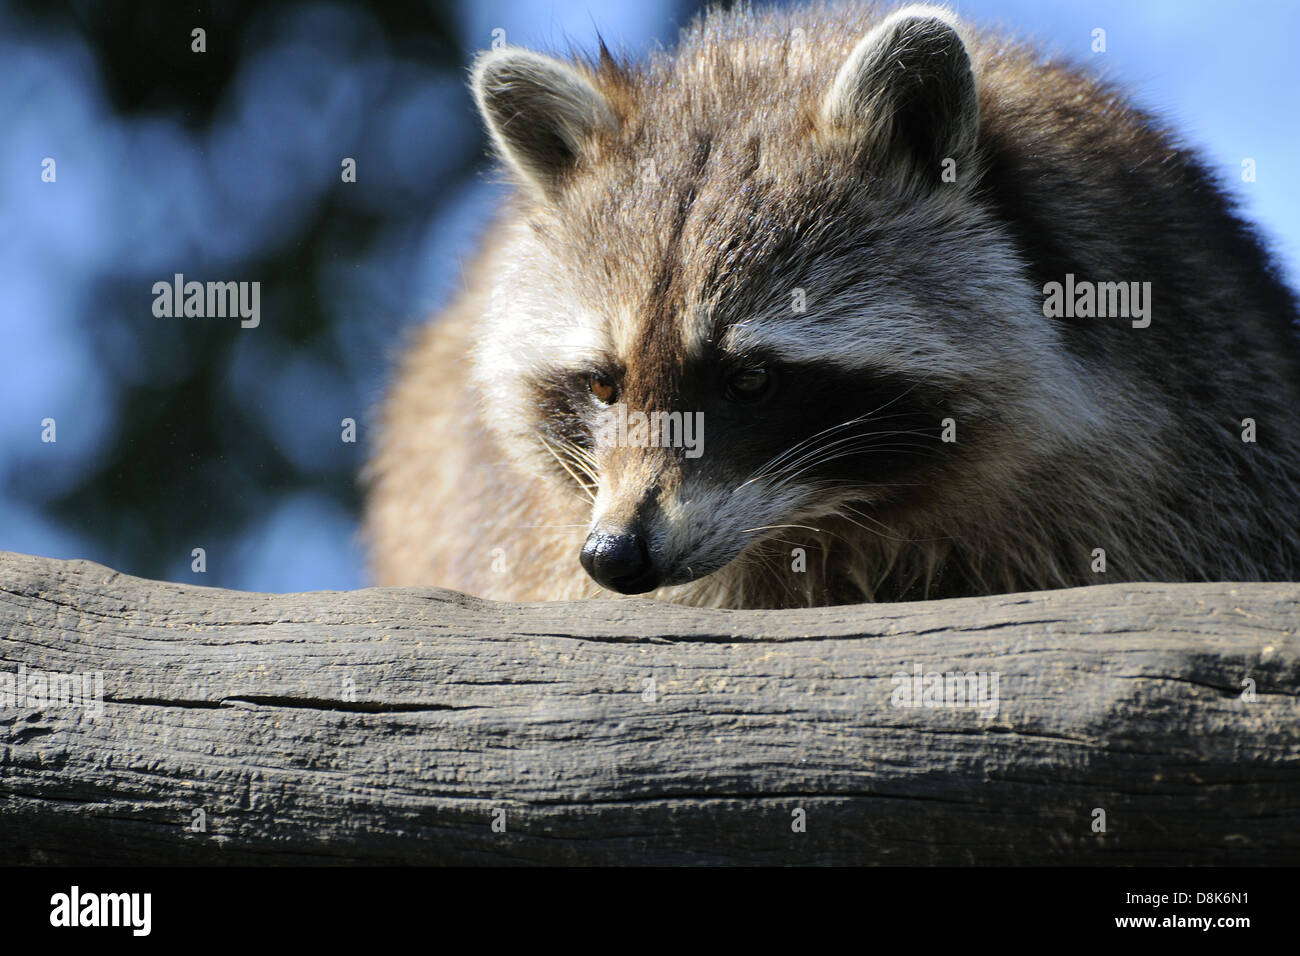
(424, 726)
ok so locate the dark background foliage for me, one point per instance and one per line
(198, 453)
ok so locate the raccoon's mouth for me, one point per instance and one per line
(701, 565)
(711, 556)
(693, 572)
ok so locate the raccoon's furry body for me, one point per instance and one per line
(666, 219)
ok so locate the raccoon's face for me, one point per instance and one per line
(740, 300)
(735, 447)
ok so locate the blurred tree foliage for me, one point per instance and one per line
(189, 465)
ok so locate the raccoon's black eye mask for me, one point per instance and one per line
(744, 385)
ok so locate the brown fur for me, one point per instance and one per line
(1073, 434)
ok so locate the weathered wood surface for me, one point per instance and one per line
(388, 725)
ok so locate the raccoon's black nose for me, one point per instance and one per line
(620, 562)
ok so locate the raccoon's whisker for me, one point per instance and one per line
(798, 446)
(867, 517)
(767, 560)
(801, 527)
(847, 439)
(855, 450)
(771, 463)
(786, 479)
(852, 421)
(867, 444)
(580, 457)
(812, 454)
(874, 413)
(876, 532)
(565, 465)
(863, 437)
(569, 445)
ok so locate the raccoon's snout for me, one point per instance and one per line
(620, 562)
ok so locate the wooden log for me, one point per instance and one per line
(424, 726)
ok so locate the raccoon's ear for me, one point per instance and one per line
(539, 113)
(907, 92)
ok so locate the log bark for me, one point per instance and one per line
(424, 726)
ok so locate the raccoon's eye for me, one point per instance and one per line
(602, 389)
(749, 384)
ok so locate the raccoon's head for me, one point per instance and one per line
(753, 284)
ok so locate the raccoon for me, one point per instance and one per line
(830, 235)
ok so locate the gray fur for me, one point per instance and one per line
(779, 151)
